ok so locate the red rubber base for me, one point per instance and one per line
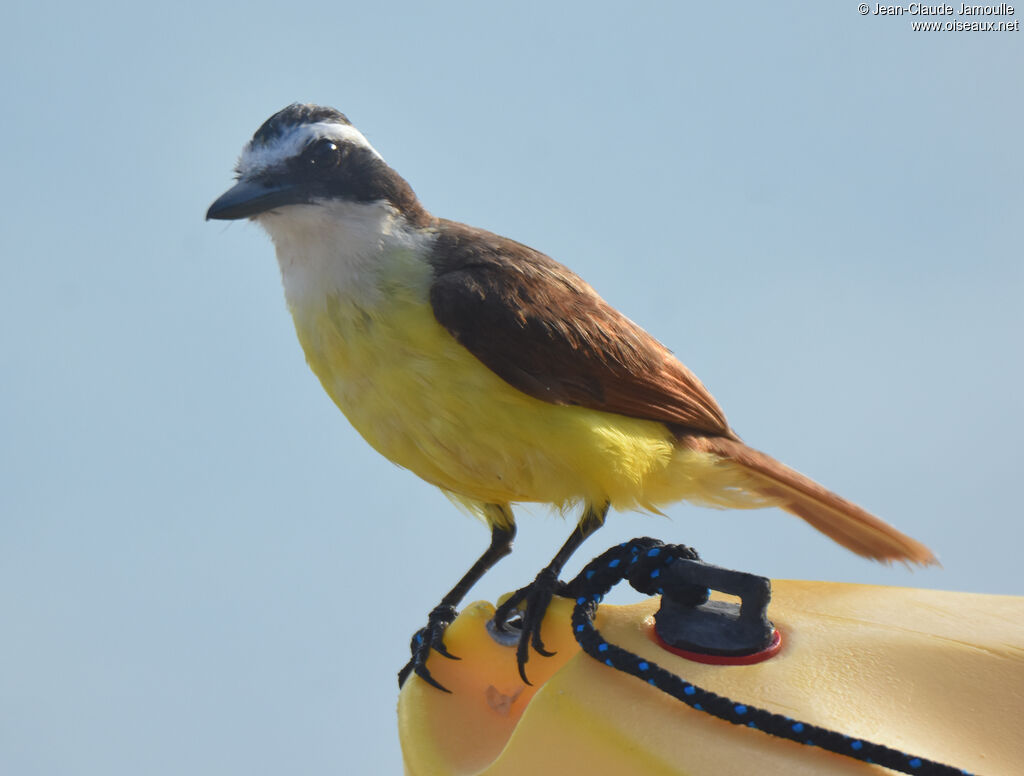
(722, 660)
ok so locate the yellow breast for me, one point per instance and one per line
(426, 403)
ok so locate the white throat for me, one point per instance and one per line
(347, 251)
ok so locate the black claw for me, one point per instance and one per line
(442, 650)
(404, 673)
(535, 597)
(522, 655)
(424, 674)
(430, 637)
(510, 607)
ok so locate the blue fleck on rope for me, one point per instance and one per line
(641, 562)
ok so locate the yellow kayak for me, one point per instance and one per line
(936, 674)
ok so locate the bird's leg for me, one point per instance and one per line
(536, 596)
(431, 637)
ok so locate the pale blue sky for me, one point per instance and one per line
(204, 570)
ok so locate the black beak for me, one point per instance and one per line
(250, 198)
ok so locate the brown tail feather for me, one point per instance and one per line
(843, 521)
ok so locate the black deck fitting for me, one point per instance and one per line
(687, 620)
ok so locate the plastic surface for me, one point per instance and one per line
(932, 673)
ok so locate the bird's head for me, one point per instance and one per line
(310, 155)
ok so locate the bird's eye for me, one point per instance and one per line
(324, 153)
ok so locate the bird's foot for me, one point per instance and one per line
(430, 637)
(524, 611)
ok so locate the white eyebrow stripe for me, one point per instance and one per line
(262, 157)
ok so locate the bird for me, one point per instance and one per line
(494, 372)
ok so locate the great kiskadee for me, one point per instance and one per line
(492, 371)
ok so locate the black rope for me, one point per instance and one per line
(641, 562)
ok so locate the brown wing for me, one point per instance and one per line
(549, 334)
(546, 332)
